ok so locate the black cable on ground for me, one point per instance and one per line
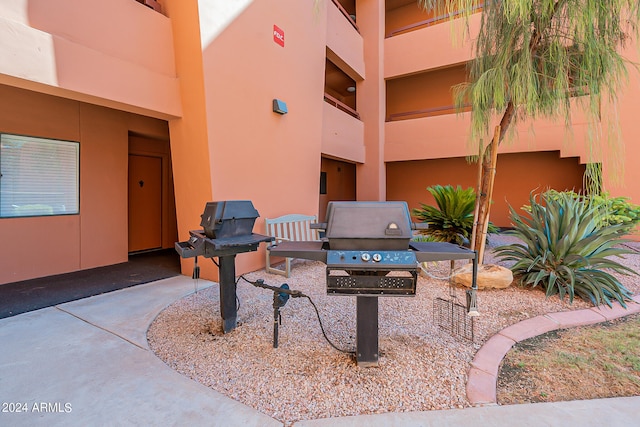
(322, 328)
(297, 294)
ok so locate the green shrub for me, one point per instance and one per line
(566, 251)
(423, 238)
(452, 220)
(611, 210)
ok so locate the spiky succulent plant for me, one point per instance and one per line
(452, 220)
(565, 251)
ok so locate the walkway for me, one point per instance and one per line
(87, 362)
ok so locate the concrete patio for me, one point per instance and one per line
(87, 362)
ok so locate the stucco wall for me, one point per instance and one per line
(97, 236)
(516, 176)
(229, 144)
(40, 246)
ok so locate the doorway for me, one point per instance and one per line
(337, 182)
(145, 202)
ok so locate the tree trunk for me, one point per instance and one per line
(489, 159)
(476, 209)
(485, 192)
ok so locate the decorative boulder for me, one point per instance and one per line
(489, 276)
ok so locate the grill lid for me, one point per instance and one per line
(229, 218)
(368, 225)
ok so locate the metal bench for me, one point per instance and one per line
(289, 228)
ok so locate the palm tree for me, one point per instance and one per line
(532, 57)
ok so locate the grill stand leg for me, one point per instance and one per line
(472, 304)
(367, 331)
(228, 307)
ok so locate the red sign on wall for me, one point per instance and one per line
(278, 35)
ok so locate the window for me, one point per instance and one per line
(38, 176)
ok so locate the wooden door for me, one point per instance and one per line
(145, 202)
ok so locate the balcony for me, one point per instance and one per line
(403, 16)
(348, 9)
(91, 59)
(342, 130)
(427, 112)
(345, 46)
(446, 136)
(423, 94)
(427, 48)
(342, 135)
(339, 89)
(341, 106)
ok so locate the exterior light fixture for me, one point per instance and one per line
(351, 89)
(279, 106)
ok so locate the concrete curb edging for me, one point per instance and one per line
(483, 374)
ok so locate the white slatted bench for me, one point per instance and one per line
(289, 228)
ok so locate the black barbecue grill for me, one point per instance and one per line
(369, 253)
(367, 241)
(227, 231)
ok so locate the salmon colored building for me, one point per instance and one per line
(121, 119)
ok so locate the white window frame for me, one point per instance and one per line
(38, 176)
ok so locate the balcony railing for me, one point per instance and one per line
(346, 14)
(427, 112)
(431, 21)
(341, 106)
(153, 4)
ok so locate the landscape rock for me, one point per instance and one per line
(489, 276)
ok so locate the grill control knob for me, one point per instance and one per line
(377, 257)
(365, 257)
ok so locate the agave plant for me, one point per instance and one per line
(452, 220)
(565, 251)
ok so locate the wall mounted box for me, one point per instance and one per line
(279, 106)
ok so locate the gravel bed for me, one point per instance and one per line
(421, 367)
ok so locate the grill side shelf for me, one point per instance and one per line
(304, 250)
(200, 245)
(440, 251)
(191, 248)
(229, 242)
